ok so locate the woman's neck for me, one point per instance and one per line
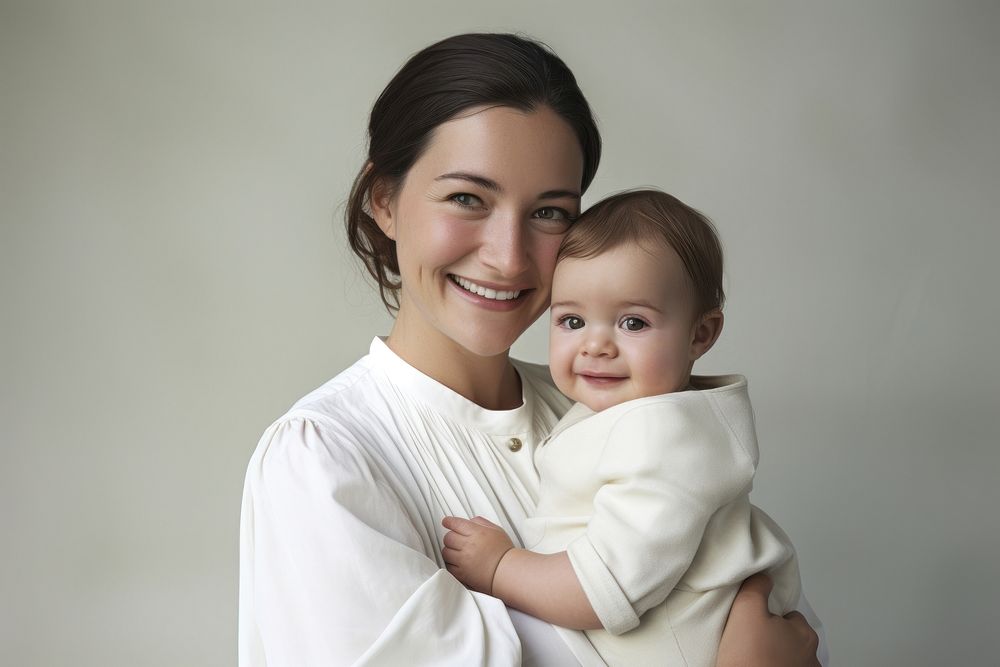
(490, 382)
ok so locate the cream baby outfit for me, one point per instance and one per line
(650, 498)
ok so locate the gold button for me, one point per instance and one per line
(514, 445)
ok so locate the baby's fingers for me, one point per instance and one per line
(482, 521)
(453, 540)
(458, 524)
(452, 558)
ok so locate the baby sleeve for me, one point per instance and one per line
(664, 471)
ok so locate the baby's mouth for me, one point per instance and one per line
(601, 378)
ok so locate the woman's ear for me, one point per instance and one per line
(380, 202)
(706, 331)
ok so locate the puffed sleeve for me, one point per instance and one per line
(665, 470)
(334, 571)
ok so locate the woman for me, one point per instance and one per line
(480, 148)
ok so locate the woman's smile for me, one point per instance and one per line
(490, 299)
(491, 293)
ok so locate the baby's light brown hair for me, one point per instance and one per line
(644, 216)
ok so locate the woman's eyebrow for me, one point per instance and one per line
(559, 194)
(481, 181)
(493, 186)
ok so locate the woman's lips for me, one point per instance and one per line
(485, 300)
(487, 290)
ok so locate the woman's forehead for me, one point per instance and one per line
(507, 147)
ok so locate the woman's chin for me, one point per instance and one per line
(478, 330)
(487, 346)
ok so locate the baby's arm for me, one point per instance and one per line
(481, 555)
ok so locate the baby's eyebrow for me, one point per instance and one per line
(629, 304)
(644, 304)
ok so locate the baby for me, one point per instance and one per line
(643, 508)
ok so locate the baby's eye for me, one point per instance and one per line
(634, 324)
(466, 200)
(571, 322)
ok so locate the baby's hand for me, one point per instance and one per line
(473, 549)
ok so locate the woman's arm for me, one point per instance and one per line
(481, 555)
(753, 637)
(334, 567)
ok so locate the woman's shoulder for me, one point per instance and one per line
(343, 388)
(331, 418)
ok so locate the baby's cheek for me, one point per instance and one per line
(666, 372)
(560, 362)
(564, 383)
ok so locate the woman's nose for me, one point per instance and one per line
(504, 246)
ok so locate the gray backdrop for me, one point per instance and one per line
(173, 275)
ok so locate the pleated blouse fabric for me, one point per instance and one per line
(340, 534)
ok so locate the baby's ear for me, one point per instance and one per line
(706, 331)
(380, 201)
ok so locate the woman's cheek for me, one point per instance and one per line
(547, 248)
(449, 235)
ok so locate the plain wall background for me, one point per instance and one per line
(173, 276)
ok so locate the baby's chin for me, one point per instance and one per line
(598, 400)
(599, 403)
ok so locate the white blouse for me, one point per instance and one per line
(340, 534)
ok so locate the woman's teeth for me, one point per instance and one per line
(496, 295)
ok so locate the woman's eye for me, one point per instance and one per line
(467, 200)
(633, 324)
(554, 213)
(553, 218)
(571, 322)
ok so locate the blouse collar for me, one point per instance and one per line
(425, 389)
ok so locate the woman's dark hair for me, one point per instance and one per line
(436, 84)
